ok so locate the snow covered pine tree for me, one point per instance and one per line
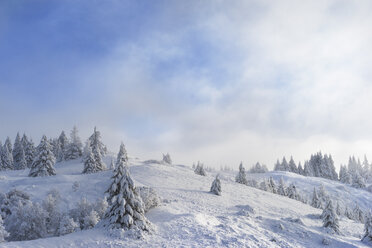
(241, 177)
(216, 186)
(199, 170)
(125, 205)
(330, 218)
(368, 228)
(44, 161)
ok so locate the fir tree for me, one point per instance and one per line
(358, 214)
(95, 140)
(75, 147)
(282, 188)
(199, 170)
(43, 164)
(284, 166)
(316, 202)
(19, 159)
(344, 175)
(292, 166)
(8, 143)
(29, 149)
(216, 186)
(89, 161)
(330, 219)
(278, 166)
(7, 158)
(338, 209)
(241, 177)
(167, 159)
(300, 169)
(292, 192)
(272, 186)
(125, 205)
(3, 233)
(63, 144)
(368, 228)
(358, 181)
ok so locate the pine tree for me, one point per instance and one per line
(199, 170)
(292, 192)
(316, 202)
(43, 164)
(125, 205)
(344, 175)
(358, 214)
(292, 166)
(167, 159)
(95, 140)
(216, 186)
(89, 161)
(348, 213)
(29, 149)
(300, 169)
(19, 154)
(7, 158)
(338, 209)
(8, 144)
(241, 177)
(3, 232)
(97, 149)
(282, 188)
(284, 166)
(63, 144)
(272, 185)
(75, 147)
(358, 181)
(330, 218)
(368, 228)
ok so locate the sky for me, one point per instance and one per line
(215, 81)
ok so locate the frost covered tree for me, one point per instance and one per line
(67, 225)
(7, 158)
(284, 165)
(241, 177)
(75, 147)
(264, 185)
(258, 168)
(199, 170)
(125, 208)
(272, 186)
(89, 161)
(98, 149)
(348, 213)
(292, 192)
(358, 214)
(63, 144)
(29, 149)
(19, 158)
(368, 228)
(43, 164)
(282, 188)
(316, 202)
(358, 181)
(300, 169)
(330, 219)
(278, 166)
(216, 186)
(8, 143)
(167, 159)
(344, 175)
(292, 166)
(3, 233)
(323, 195)
(338, 209)
(96, 143)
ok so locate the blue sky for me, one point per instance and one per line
(215, 81)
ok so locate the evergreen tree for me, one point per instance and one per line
(348, 213)
(344, 175)
(3, 232)
(63, 144)
(330, 218)
(272, 185)
(75, 147)
(8, 144)
(292, 166)
(199, 170)
(29, 149)
(292, 192)
(316, 202)
(241, 177)
(278, 166)
(338, 209)
(167, 159)
(95, 140)
(282, 188)
(125, 205)
(368, 228)
(89, 161)
(300, 169)
(43, 164)
(216, 186)
(358, 214)
(1, 159)
(358, 181)
(308, 170)
(366, 168)
(323, 195)
(7, 158)
(284, 165)
(19, 159)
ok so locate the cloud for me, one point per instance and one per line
(213, 81)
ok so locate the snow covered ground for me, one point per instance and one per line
(190, 216)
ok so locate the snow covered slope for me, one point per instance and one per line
(189, 215)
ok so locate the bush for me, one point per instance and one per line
(67, 225)
(149, 197)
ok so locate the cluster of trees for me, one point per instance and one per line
(258, 168)
(199, 169)
(356, 173)
(319, 165)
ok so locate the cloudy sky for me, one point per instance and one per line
(215, 81)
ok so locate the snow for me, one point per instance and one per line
(190, 216)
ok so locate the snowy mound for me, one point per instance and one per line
(189, 215)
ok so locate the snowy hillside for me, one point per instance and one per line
(190, 216)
